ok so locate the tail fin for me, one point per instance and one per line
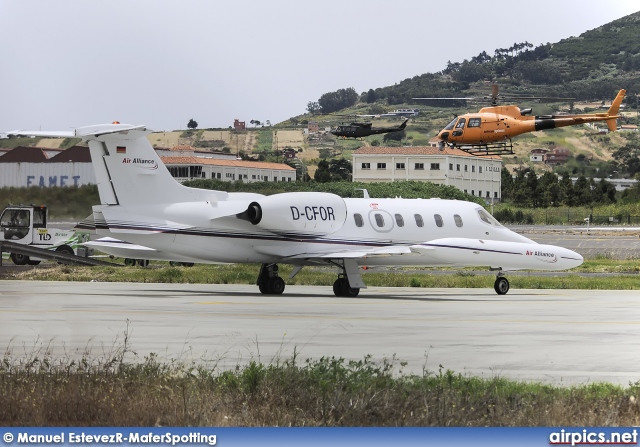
(403, 125)
(613, 111)
(130, 173)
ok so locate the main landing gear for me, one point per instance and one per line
(269, 282)
(341, 287)
(501, 286)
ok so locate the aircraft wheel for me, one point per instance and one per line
(129, 261)
(262, 285)
(501, 286)
(32, 262)
(66, 250)
(188, 264)
(171, 263)
(349, 291)
(19, 259)
(143, 262)
(275, 286)
(337, 287)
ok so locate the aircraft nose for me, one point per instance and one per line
(444, 136)
(571, 259)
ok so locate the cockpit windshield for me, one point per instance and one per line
(488, 218)
(451, 124)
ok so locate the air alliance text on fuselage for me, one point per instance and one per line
(541, 254)
(313, 213)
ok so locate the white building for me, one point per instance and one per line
(41, 167)
(475, 175)
(188, 168)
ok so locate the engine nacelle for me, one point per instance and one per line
(306, 213)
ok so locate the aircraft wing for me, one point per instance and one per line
(360, 253)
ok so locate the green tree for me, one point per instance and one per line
(506, 180)
(340, 99)
(313, 107)
(340, 169)
(371, 96)
(322, 174)
(192, 124)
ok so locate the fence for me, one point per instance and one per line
(563, 216)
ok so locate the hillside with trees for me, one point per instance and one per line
(591, 66)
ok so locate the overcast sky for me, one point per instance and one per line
(66, 64)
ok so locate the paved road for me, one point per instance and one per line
(563, 337)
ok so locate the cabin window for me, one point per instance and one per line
(419, 166)
(379, 220)
(458, 220)
(435, 166)
(382, 166)
(474, 122)
(366, 165)
(461, 123)
(438, 219)
(399, 165)
(419, 221)
(358, 219)
(399, 220)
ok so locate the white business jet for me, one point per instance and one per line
(141, 203)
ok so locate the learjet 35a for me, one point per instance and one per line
(143, 204)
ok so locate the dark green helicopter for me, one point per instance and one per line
(359, 130)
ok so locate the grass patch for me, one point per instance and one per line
(247, 273)
(37, 389)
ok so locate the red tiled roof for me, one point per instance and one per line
(416, 150)
(222, 162)
(24, 154)
(76, 154)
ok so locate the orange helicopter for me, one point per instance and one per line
(490, 130)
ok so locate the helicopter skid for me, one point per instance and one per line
(501, 148)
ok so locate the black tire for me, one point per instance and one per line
(349, 291)
(188, 264)
(501, 286)
(337, 287)
(64, 249)
(275, 286)
(19, 259)
(129, 262)
(32, 262)
(171, 263)
(143, 262)
(262, 286)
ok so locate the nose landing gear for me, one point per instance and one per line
(501, 285)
